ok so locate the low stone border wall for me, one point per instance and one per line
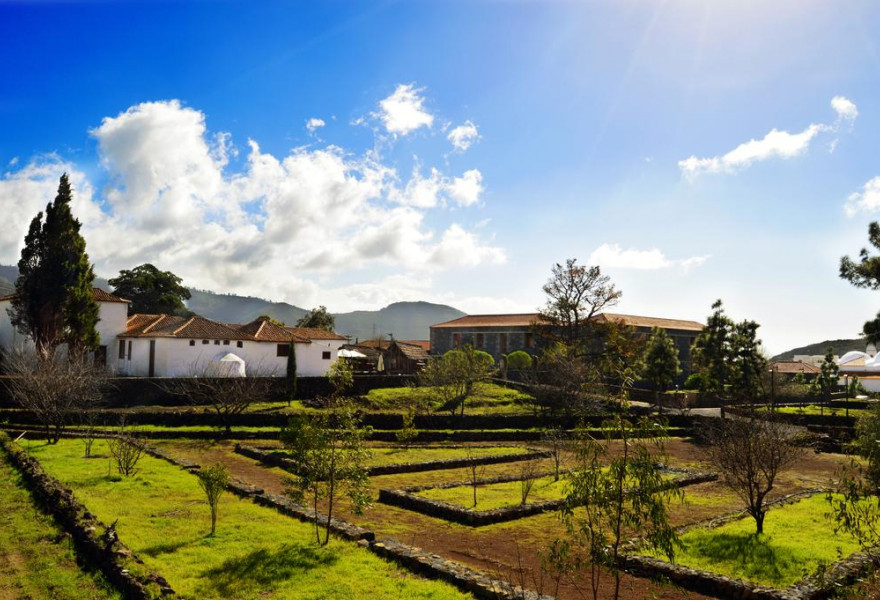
(840, 573)
(464, 578)
(103, 552)
(278, 459)
(408, 498)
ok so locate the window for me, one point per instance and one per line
(204, 342)
(121, 349)
(502, 343)
(456, 340)
(192, 342)
(129, 349)
(283, 350)
(480, 340)
(216, 342)
(225, 342)
(239, 344)
(325, 355)
(530, 340)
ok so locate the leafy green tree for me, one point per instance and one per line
(453, 377)
(151, 291)
(828, 379)
(564, 381)
(660, 363)
(866, 274)
(519, 360)
(630, 494)
(331, 453)
(317, 318)
(341, 377)
(271, 319)
(213, 481)
(408, 433)
(575, 294)
(53, 302)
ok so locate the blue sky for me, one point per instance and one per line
(185, 127)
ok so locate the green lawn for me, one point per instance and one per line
(488, 398)
(812, 409)
(391, 456)
(35, 562)
(257, 552)
(498, 495)
(797, 539)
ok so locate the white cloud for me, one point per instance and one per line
(403, 111)
(845, 108)
(279, 228)
(466, 190)
(776, 144)
(867, 200)
(463, 136)
(314, 124)
(615, 257)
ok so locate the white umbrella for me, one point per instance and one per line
(351, 354)
(230, 365)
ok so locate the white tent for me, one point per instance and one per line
(351, 354)
(229, 365)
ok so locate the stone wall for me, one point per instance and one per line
(279, 459)
(102, 551)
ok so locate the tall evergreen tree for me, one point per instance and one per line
(53, 301)
(828, 377)
(711, 351)
(660, 363)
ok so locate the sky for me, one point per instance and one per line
(354, 154)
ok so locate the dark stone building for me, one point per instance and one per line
(502, 334)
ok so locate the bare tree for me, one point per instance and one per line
(528, 473)
(56, 390)
(565, 381)
(575, 294)
(126, 450)
(556, 442)
(749, 455)
(228, 397)
(475, 470)
(213, 481)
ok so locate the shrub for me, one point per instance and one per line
(693, 382)
(126, 451)
(519, 360)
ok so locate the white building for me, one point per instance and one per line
(169, 346)
(112, 314)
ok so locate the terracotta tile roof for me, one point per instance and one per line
(141, 325)
(519, 320)
(790, 367)
(374, 344)
(97, 293)
(638, 321)
(413, 352)
(313, 333)
(423, 344)
(529, 319)
(267, 331)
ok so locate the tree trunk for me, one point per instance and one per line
(759, 520)
(213, 519)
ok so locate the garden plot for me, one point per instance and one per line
(256, 552)
(505, 498)
(387, 460)
(797, 555)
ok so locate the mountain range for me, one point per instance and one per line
(403, 320)
(840, 347)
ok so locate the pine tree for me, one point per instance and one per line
(661, 364)
(53, 301)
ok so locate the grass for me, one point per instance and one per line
(812, 409)
(381, 456)
(35, 560)
(797, 539)
(257, 552)
(489, 398)
(498, 495)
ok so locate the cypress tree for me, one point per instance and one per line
(54, 302)
(291, 373)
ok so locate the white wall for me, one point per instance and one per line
(176, 358)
